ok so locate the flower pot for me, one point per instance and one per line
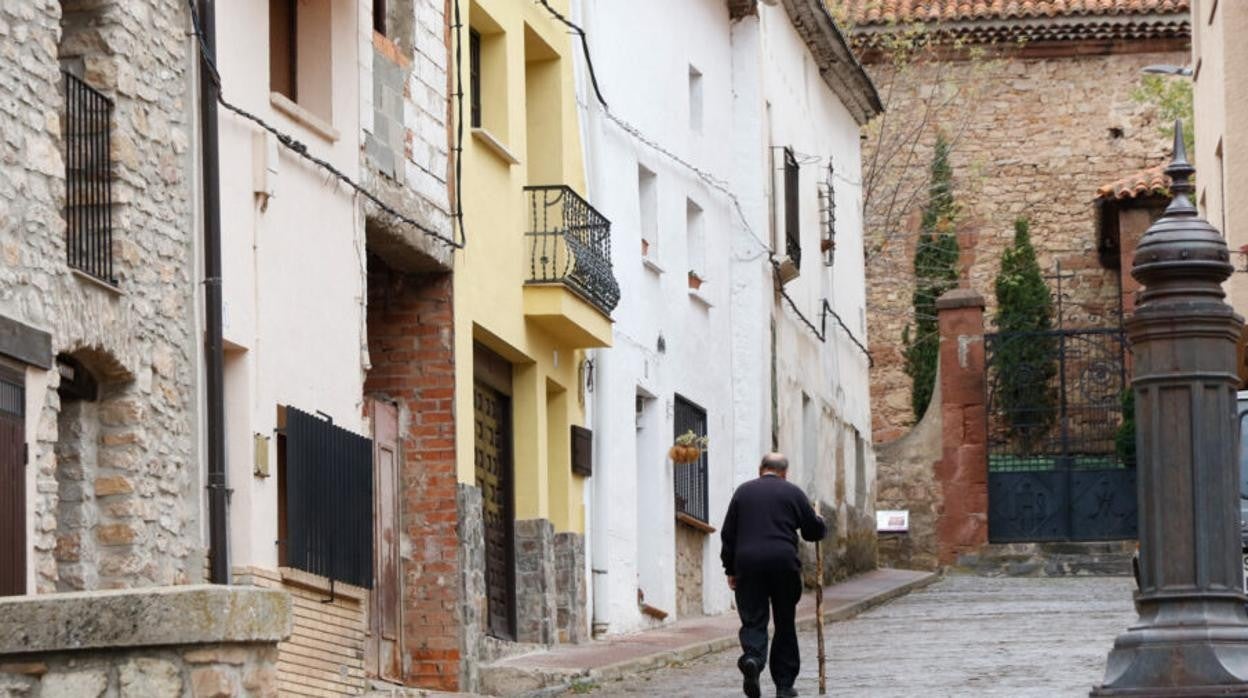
(645, 247)
(695, 281)
(826, 244)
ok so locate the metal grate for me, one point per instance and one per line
(474, 76)
(1054, 413)
(570, 243)
(88, 179)
(691, 478)
(327, 475)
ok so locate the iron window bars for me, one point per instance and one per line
(792, 226)
(88, 179)
(474, 76)
(691, 478)
(326, 485)
(570, 243)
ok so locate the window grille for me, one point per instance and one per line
(474, 75)
(691, 478)
(88, 180)
(792, 226)
(326, 498)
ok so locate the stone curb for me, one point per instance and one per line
(687, 653)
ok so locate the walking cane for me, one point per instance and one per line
(823, 674)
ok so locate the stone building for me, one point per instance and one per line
(97, 300)
(1040, 103)
(1049, 119)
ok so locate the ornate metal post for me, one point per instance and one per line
(1192, 635)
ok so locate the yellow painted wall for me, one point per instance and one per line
(490, 272)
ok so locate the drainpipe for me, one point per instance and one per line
(214, 353)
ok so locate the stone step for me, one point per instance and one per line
(1061, 559)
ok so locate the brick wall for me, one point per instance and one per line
(1041, 136)
(411, 348)
(325, 652)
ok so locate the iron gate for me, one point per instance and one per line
(1055, 469)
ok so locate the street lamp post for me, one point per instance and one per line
(1192, 634)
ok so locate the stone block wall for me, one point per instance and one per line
(907, 480)
(536, 604)
(571, 595)
(183, 641)
(473, 611)
(411, 348)
(1041, 135)
(689, 544)
(134, 521)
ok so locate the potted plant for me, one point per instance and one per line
(826, 245)
(695, 280)
(688, 448)
(645, 247)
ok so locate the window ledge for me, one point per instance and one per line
(303, 117)
(695, 524)
(316, 582)
(652, 265)
(496, 146)
(700, 296)
(98, 283)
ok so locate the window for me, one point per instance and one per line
(474, 75)
(691, 478)
(301, 55)
(325, 498)
(12, 482)
(695, 100)
(379, 16)
(88, 180)
(792, 225)
(648, 207)
(695, 240)
(283, 50)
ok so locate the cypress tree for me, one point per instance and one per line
(935, 272)
(1026, 359)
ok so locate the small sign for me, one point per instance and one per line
(896, 521)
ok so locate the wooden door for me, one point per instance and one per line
(383, 651)
(494, 478)
(12, 484)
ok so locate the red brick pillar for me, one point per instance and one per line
(962, 472)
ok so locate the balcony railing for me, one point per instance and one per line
(88, 180)
(570, 244)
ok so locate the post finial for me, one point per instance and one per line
(1180, 172)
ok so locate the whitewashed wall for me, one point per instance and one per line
(644, 75)
(718, 356)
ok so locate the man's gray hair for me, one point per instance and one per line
(775, 461)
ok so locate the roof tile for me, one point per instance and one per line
(867, 12)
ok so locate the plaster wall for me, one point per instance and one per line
(669, 339)
(293, 259)
(822, 400)
(1221, 110)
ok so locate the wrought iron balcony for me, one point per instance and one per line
(570, 244)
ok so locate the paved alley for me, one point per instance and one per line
(962, 636)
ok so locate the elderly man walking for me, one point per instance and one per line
(760, 559)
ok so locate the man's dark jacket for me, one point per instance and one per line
(760, 530)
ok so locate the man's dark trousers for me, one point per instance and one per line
(780, 589)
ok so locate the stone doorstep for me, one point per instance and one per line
(552, 672)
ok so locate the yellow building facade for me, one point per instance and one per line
(533, 290)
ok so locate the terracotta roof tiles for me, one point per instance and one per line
(1143, 183)
(875, 12)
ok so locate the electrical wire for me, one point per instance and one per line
(297, 147)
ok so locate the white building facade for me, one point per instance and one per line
(688, 164)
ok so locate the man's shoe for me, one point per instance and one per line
(750, 669)
(789, 692)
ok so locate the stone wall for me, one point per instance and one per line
(195, 641)
(689, 544)
(1039, 138)
(472, 607)
(138, 510)
(571, 594)
(411, 347)
(536, 606)
(906, 470)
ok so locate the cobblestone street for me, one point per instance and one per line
(962, 636)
